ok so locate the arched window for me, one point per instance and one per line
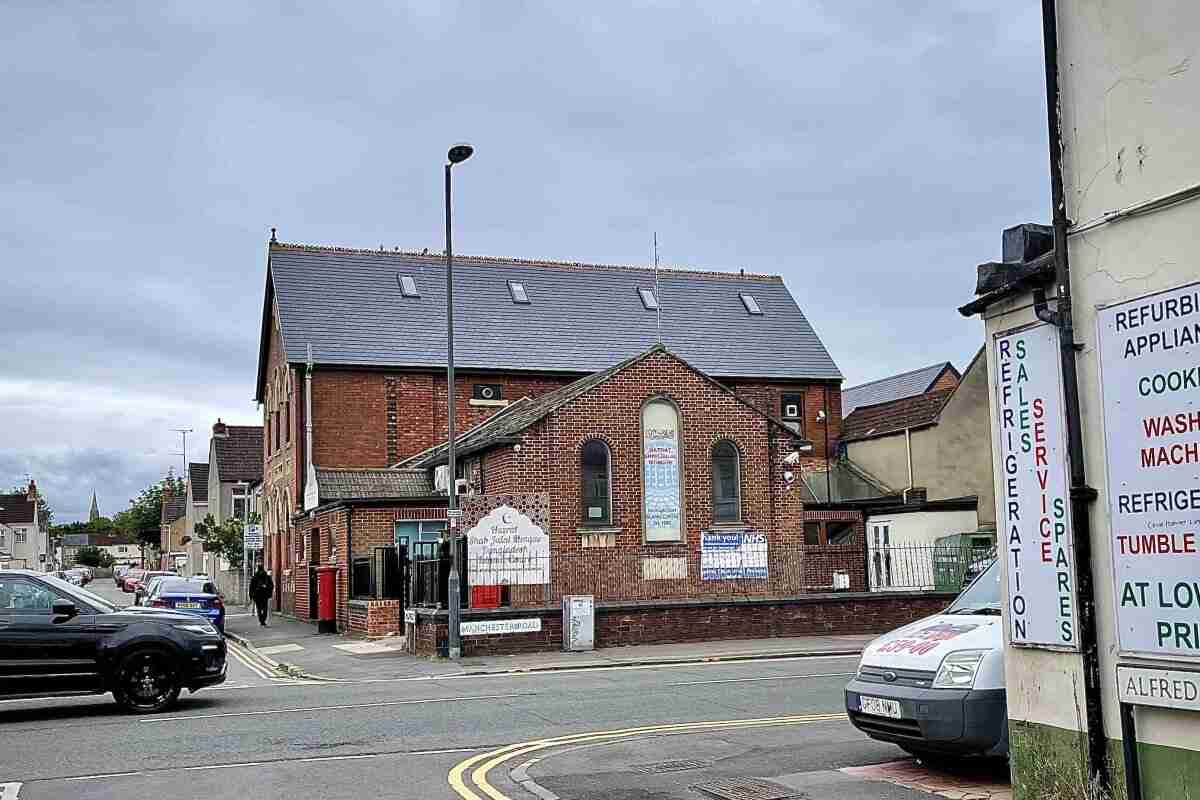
(595, 465)
(726, 483)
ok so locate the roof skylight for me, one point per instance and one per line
(408, 286)
(517, 290)
(751, 304)
(648, 299)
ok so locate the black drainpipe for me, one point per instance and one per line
(1082, 495)
(349, 553)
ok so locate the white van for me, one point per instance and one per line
(936, 687)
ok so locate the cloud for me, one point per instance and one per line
(870, 153)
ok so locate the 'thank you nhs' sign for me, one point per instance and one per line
(1036, 537)
(1150, 382)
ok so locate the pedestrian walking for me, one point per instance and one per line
(261, 589)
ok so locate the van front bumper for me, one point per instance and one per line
(951, 721)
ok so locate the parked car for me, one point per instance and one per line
(78, 576)
(936, 687)
(118, 574)
(88, 575)
(130, 579)
(139, 591)
(144, 657)
(191, 595)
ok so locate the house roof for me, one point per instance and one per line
(240, 454)
(844, 482)
(580, 317)
(883, 418)
(372, 484)
(503, 426)
(75, 540)
(174, 507)
(198, 480)
(16, 509)
(894, 387)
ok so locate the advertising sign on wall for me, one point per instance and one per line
(660, 472)
(1150, 384)
(1035, 540)
(506, 548)
(729, 556)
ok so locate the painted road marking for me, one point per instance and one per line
(9, 791)
(371, 648)
(485, 762)
(310, 709)
(279, 648)
(771, 678)
(101, 775)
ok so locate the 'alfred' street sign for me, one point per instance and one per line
(253, 537)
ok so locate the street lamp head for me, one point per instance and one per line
(460, 153)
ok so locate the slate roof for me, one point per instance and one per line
(372, 484)
(580, 318)
(15, 509)
(240, 454)
(198, 478)
(884, 390)
(173, 508)
(884, 418)
(503, 426)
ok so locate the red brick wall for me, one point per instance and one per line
(946, 380)
(765, 395)
(548, 461)
(349, 418)
(823, 615)
(373, 618)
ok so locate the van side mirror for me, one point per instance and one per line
(64, 610)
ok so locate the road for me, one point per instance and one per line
(263, 737)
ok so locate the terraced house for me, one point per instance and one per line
(352, 383)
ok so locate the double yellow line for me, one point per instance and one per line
(250, 662)
(480, 765)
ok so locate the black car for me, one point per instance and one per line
(60, 639)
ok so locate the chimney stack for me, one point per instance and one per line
(220, 431)
(32, 494)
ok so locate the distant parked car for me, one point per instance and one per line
(131, 579)
(139, 591)
(145, 658)
(118, 574)
(191, 595)
(77, 576)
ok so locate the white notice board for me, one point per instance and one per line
(1035, 540)
(1150, 387)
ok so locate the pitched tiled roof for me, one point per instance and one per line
(240, 454)
(174, 507)
(16, 509)
(895, 387)
(504, 425)
(883, 418)
(372, 484)
(580, 317)
(198, 478)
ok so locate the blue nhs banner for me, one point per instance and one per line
(732, 556)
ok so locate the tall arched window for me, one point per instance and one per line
(595, 465)
(726, 483)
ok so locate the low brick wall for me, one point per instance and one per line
(373, 618)
(666, 622)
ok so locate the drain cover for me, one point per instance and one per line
(679, 765)
(745, 789)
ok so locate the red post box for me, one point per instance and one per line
(327, 599)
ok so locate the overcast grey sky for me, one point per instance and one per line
(870, 152)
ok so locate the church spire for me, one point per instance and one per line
(94, 514)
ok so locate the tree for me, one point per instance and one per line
(93, 557)
(225, 539)
(143, 518)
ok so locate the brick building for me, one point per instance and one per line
(351, 370)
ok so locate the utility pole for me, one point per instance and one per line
(184, 433)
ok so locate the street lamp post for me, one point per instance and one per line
(456, 155)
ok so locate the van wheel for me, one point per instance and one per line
(146, 682)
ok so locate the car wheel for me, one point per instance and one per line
(147, 681)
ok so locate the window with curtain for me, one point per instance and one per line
(595, 483)
(727, 506)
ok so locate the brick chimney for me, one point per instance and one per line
(219, 429)
(32, 494)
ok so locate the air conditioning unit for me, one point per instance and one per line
(441, 479)
(461, 486)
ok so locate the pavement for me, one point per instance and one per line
(298, 649)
